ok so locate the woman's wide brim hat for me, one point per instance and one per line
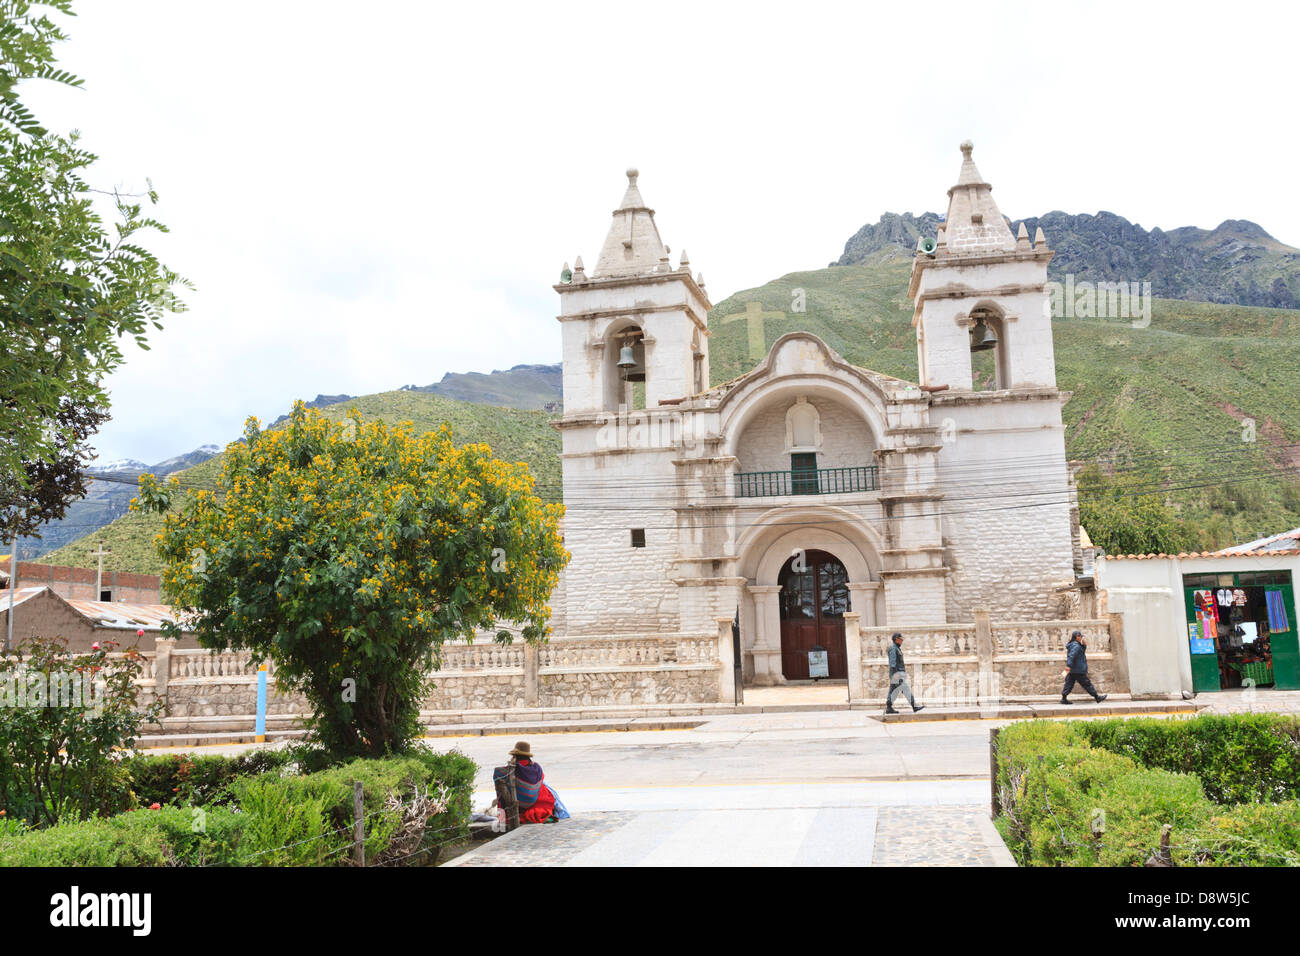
(521, 750)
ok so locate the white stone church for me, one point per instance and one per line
(809, 487)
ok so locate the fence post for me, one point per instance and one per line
(358, 826)
(1162, 856)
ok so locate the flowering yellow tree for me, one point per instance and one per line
(348, 552)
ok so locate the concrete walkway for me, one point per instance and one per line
(881, 824)
(830, 788)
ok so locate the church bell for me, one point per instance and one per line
(981, 337)
(627, 362)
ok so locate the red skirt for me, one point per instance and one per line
(540, 811)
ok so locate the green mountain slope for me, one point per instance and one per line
(1168, 401)
(513, 434)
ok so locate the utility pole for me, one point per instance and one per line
(99, 574)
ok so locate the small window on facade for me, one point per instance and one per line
(638, 537)
(106, 595)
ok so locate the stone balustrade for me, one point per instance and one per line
(199, 664)
(982, 661)
(1048, 637)
(941, 640)
(217, 689)
(480, 657)
(635, 652)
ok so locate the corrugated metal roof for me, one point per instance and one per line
(124, 615)
(21, 595)
(1273, 544)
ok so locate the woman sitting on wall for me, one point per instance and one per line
(538, 803)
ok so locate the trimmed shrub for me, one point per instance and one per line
(1239, 758)
(170, 836)
(1250, 834)
(185, 779)
(1066, 803)
(412, 806)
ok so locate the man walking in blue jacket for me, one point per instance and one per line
(1076, 669)
(898, 676)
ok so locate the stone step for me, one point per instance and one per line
(523, 728)
(213, 739)
(1032, 710)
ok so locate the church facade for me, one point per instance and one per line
(809, 487)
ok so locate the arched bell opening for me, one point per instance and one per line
(625, 372)
(989, 370)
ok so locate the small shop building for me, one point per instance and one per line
(1210, 621)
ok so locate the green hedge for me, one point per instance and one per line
(1099, 793)
(1239, 758)
(184, 779)
(1068, 804)
(165, 837)
(1252, 834)
(274, 820)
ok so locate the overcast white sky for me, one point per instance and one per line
(371, 195)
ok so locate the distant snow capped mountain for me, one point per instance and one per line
(106, 499)
(117, 465)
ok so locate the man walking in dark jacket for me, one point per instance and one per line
(898, 676)
(1076, 669)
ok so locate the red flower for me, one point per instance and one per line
(155, 806)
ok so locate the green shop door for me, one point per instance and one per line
(1286, 649)
(1205, 658)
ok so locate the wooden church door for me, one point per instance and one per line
(814, 597)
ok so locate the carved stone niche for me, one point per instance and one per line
(803, 427)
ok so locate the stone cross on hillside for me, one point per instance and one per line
(754, 316)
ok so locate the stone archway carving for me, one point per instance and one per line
(764, 554)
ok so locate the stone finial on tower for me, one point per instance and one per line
(633, 246)
(1040, 240)
(684, 263)
(1022, 237)
(579, 273)
(974, 223)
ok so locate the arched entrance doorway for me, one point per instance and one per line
(814, 596)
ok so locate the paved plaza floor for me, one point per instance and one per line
(805, 789)
(811, 787)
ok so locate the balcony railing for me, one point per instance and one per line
(821, 481)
